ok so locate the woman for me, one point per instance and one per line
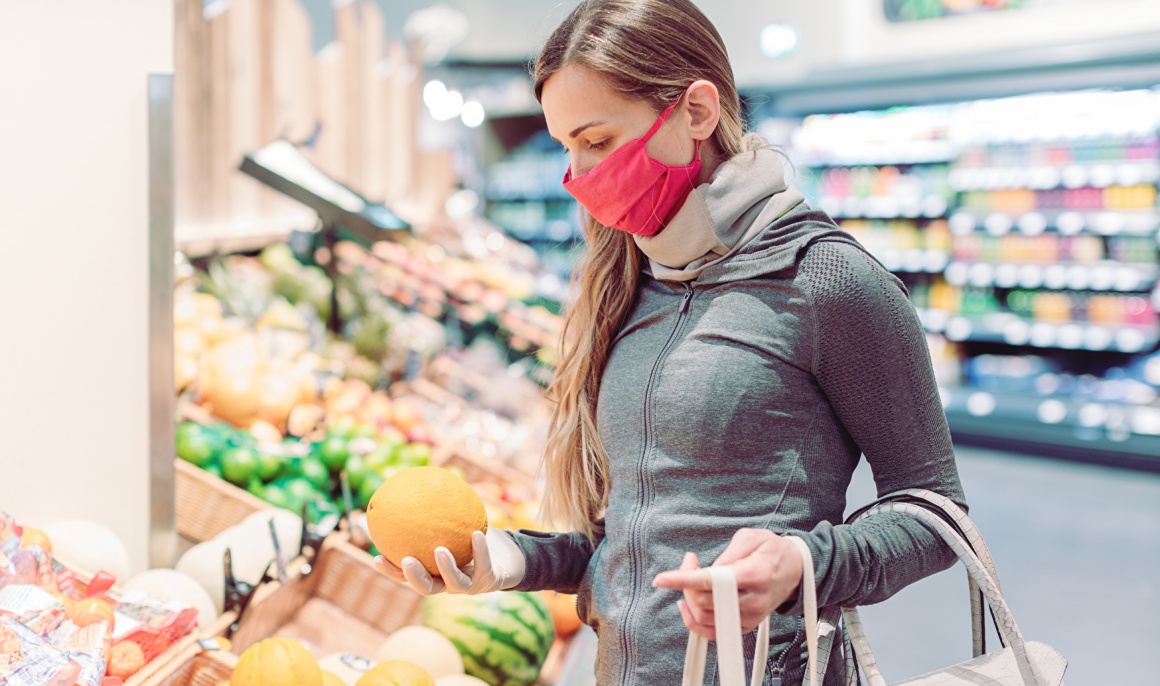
(730, 355)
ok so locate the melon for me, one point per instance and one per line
(396, 673)
(88, 547)
(423, 646)
(287, 525)
(276, 661)
(203, 564)
(252, 551)
(170, 584)
(422, 508)
(346, 666)
(503, 637)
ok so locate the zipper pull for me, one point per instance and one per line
(775, 678)
(685, 301)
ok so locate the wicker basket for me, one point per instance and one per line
(342, 605)
(206, 505)
(162, 666)
(199, 668)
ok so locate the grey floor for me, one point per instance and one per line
(1078, 551)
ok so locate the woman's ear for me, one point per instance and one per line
(704, 105)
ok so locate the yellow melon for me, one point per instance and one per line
(276, 661)
(420, 509)
(396, 673)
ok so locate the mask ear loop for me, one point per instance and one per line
(661, 122)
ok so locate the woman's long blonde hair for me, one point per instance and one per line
(649, 50)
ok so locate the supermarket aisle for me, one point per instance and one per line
(1078, 550)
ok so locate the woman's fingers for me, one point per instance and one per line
(693, 625)
(480, 555)
(456, 580)
(687, 576)
(389, 569)
(419, 578)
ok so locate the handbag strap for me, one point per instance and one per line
(809, 593)
(727, 615)
(985, 581)
(955, 517)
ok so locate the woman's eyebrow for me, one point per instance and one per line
(579, 129)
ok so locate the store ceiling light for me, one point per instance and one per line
(448, 107)
(433, 93)
(778, 40)
(472, 114)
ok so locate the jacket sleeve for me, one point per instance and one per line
(872, 362)
(553, 562)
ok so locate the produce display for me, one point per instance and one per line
(498, 639)
(60, 627)
(433, 382)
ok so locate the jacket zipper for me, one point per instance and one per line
(638, 519)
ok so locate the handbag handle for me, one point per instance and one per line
(954, 516)
(727, 614)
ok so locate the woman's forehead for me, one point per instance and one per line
(577, 96)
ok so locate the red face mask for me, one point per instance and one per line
(630, 191)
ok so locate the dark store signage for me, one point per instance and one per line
(918, 10)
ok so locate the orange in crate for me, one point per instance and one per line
(126, 660)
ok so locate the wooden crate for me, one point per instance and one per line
(207, 505)
(343, 605)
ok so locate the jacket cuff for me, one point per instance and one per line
(533, 562)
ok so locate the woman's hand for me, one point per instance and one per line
(496, 564)
(768, 570)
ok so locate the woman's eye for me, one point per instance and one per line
(599, 146)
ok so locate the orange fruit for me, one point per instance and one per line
(395, 673)
(564, 615)
(90, 611)
(126, 660)
(35, 537)
(420, 509)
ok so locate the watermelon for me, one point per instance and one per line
(503, 637)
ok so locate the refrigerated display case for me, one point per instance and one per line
(1016, 197)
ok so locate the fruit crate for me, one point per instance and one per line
(341, 605)
(207, 505)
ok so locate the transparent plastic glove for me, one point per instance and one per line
(497, 564)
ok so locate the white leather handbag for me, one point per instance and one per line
(1016, 663)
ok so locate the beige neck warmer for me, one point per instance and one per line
(745, 194)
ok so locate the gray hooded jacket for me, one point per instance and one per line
(744, 397)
